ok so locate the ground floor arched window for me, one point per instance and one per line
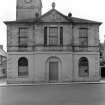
(83, 67)
(23, 67)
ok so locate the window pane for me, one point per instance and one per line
(61, 35)
(83, 32)
(23, 62)
(22, 67)
(53, 36)
(83, 39)
(23, 36)
(83, 67)
(23, 31)
(23, 42)
(45, 36)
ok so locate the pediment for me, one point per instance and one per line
(54, 16)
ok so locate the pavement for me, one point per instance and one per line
(4, 83)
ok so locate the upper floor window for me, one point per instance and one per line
(83, 38)
(23, 35)
(53, 36)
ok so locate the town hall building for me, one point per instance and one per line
(51, 47)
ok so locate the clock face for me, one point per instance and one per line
(28, 1)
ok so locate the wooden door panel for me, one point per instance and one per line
(53, 71)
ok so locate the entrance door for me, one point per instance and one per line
(103, 72)
(53, 71)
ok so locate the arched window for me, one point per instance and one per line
(23, 67)
(83, 67)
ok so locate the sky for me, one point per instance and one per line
(86, 9)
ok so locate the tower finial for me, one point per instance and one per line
(53, 5)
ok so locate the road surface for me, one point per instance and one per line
(69, 94)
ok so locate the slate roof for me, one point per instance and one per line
(3, 53)
(71, 19)
(79, 20)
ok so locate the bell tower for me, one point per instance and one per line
(28, 9)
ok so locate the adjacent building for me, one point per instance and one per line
(3, 63)
(51, 47)
(102, 60)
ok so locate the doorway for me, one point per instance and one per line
(53, 71)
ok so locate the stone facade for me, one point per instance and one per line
(65, 55)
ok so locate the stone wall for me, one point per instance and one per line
(68, 66)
